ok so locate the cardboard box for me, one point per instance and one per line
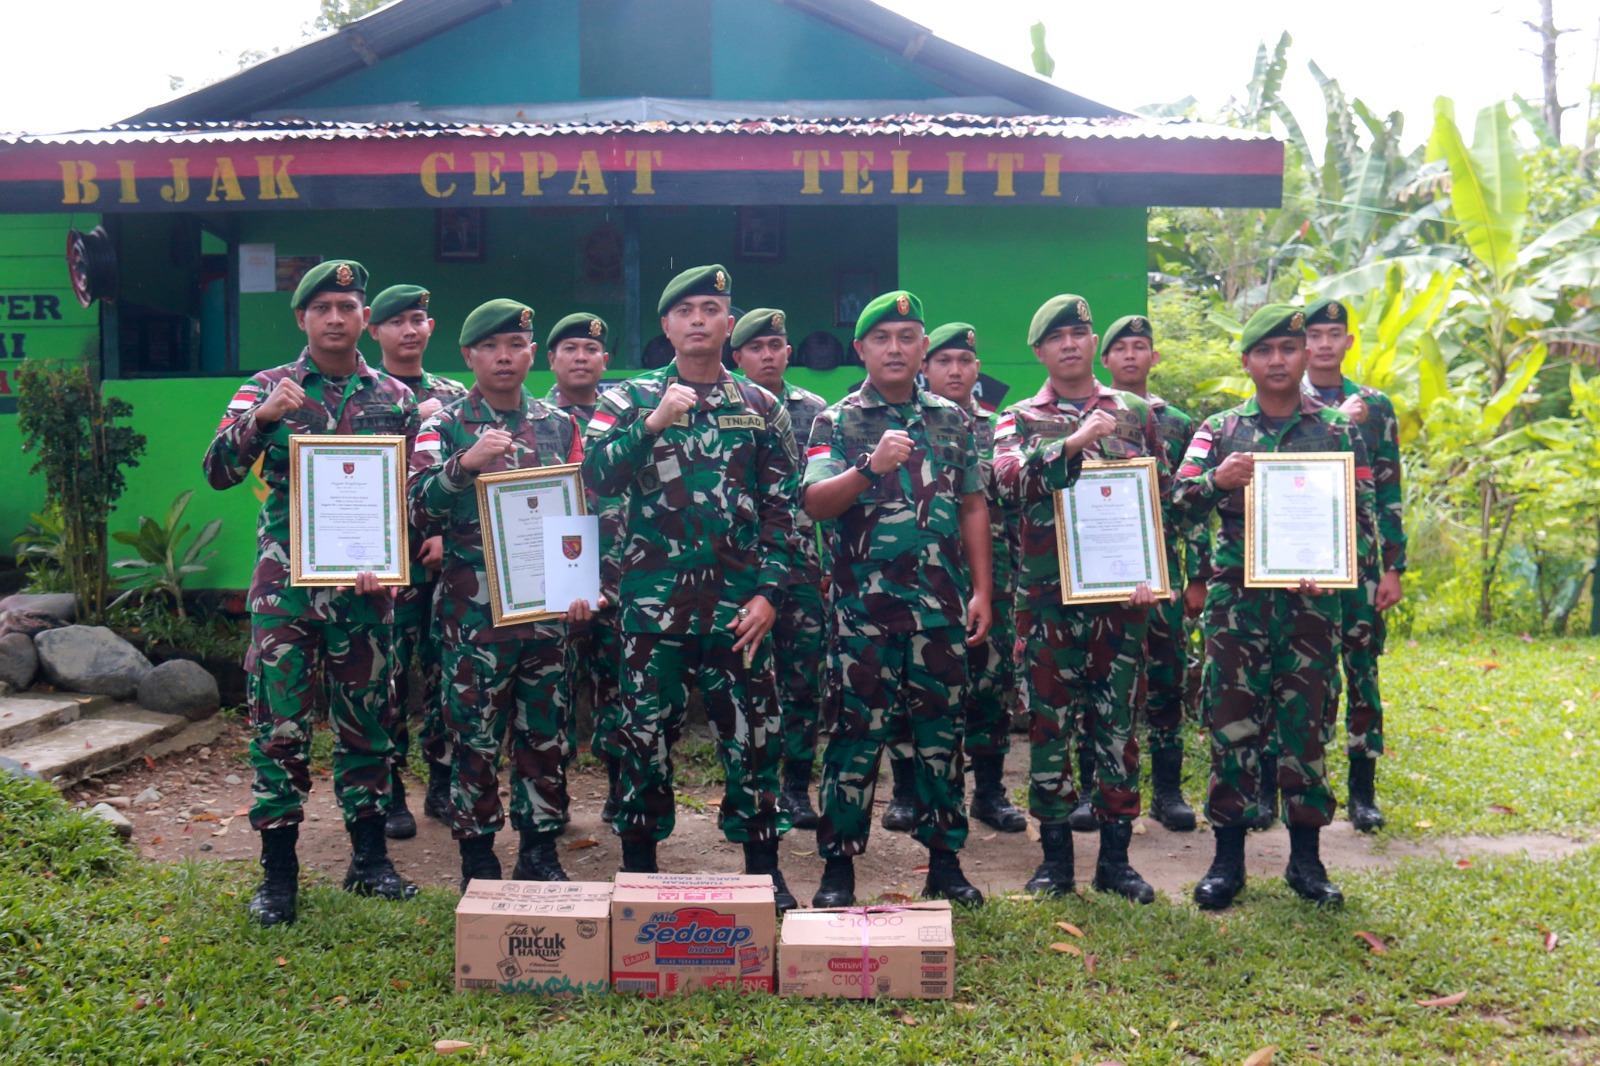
(897, 952)
(674, 932)
(550, 938)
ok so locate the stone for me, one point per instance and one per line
(27, 623)
(113, 817)
(16, 769)
(233, 779)
(198, 808)
(60, 605)
(91, 659)
(19, 662)
(181, 687)
(149, 797)
(121, 803)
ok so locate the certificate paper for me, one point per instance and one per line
(512, 508)
(1109, 536)
(1299, 520)
(347, 509)
(572, 560)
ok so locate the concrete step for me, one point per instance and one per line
(25, 717)
(102, 740)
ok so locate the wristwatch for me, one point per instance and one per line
(863, 466)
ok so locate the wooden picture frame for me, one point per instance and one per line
(458, 234)
(347, 509)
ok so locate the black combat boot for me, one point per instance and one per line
(1082, 818)
(537, 859)
(608, 813)
(901, 813)
(1267, 804)
(1166, 792)
(946, 881)
(399, 823)
(990, 804)
(838, 885)
(638, 856)
(371, 873)
(478, 860)
(795, 798)
(1225, 880)
(274, 901)
(1305, 872)
(436, 804)
(1054, 875)
(1364, 813)
(1111, 870)
(761, 857)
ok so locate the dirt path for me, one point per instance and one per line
(206, 790)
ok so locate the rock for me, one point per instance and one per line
(179, 686)
(148, 798)
(19, 662)
(91, 659)
(62, 606)
(198, 808)
(121, 803)
(28, 623)
(233, 779)
(16, 769)
(113, 817)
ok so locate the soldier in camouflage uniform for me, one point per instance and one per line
(898, 470)
(952, 372)
(508, 675)
(1363, 632)
(1083, 660)
(300, 633)
(703, 468)
(401, 325)
(1270, 652)
(579, 353)
(761, 349)
(1128, 352)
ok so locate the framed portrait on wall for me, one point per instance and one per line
(853, 290)
(458, 234)
(760, 234)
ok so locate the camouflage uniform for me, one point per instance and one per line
(898, 665)
(300, 633)
(707, 511)
(1270, 653)
(991, 666)
(1083, 661)
(797, 637)
(495, 676)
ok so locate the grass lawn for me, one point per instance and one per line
(108, 959)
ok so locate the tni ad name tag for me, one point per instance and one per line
(741, 422)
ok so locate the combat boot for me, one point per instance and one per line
(638, 856)
(1225, 880)
(1054, 875)
(901, 813)
(761, 857)
(436, 804)
(1267, 803)
(795, 798)
(946, 881)
(478, 860)
(613, 804)
(838, 885)
(990, 804)
(371, 873)
(1111, 870)
(1364, 813)
(274, 901)
(399, 823)
(537, 859)
(1305, 872)
(1082, 818)
(1167, 805)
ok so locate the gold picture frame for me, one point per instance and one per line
(1327, 475)
(1100, 480)
(360, 516)
(508, 548)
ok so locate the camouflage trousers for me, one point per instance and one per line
(416, 642)
(1166, 676)
(741, 705)
(797, 639)
(882, 689)
(350, 660)
(597, 668)
(523, 686)
(991, 692)
(1083, 663)
(1363, 634)
(1271, 671)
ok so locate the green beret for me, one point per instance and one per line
(336, 275)
(1068, 309)
(1126, 326)
(713, 280)
(1328, 312)
(762, 322)
(953, 335)
(1273, 320)
(397, 298)
(496, 316)
(583, 325)
(896, 306)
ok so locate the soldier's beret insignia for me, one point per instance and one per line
(526, 319)
(1138, 325)
(1332, 312)
(422, 301)
(595, 328)
(1297, 322)
(777, 320)
(972, 338)
(1083, 310)
(721, 281)
(344, 275)
(903, 305)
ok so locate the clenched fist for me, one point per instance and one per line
(676, 402)
(286, 396)
(893, 449)
(494, 444)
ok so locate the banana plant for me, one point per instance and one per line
(163, 564)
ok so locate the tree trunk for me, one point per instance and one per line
(1549, 35)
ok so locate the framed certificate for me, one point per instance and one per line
(1109, 536)
(512, 507)
(347, 509)
(1300, 520)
